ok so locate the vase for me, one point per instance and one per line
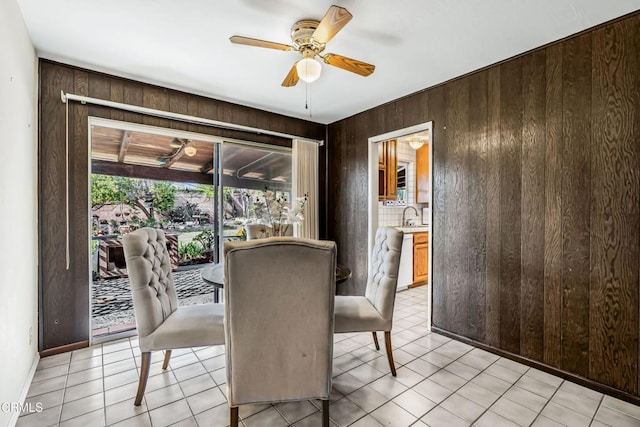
(282, 229)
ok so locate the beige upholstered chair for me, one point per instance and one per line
(162, 325)
(279, 297)
(374, 311)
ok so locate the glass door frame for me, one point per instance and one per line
(136, 127)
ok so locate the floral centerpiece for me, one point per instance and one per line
(274, 210)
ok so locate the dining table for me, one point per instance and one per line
(213, 274)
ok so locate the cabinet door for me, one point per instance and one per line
(382, 156)
(392, 169)
(422, 174)
(382, 184)
(420, 257)
(387, 170)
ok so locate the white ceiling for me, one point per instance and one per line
(413, 43)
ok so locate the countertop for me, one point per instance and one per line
(414, 229)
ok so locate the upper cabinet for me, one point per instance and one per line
(422, 174)
(387, 170)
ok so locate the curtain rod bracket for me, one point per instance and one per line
(63, 97)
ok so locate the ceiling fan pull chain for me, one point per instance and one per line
(307, 102)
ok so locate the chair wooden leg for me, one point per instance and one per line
(144, 374)
(375, 340)
(167, 357)
(233, 416)
(325, 413)
(387, 343)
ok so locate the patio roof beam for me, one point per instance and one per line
(149, 172)
(207, 167)
(124, 146)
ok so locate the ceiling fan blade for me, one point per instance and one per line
(292, 77)
(260, 43)
(353, 65)
(332, 22)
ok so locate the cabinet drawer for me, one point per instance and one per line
(420, 238)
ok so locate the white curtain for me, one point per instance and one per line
(305, 180)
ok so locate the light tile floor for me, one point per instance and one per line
(440, 382)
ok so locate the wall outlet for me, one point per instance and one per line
(30, 335)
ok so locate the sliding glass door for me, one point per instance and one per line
(248, 171)
(199, 189)
(144, 176)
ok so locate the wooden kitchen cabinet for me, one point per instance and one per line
(422, 174)
(387, 170)
(420, 257)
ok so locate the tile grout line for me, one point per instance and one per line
(403, 365)
(597, 409)
(547, 404)
(443, 368)
(478, 374)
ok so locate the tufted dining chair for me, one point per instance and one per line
(374, 311)
(279, 321)
(162, 325)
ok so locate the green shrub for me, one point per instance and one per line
(189, 251)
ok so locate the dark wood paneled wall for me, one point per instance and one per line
(64, 294)
(536, 232)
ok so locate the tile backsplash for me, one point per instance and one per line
(392, 215)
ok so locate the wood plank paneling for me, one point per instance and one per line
(158, 98)
(533, 162)
(492, 287)
(54, 320)
(99, 87)
(78, 202)
(457, 203)
(179, 103)
(436, 106)
(576, 187)
(615, 215)
(511, 109)
(132, 93)
(553, 209)
(545, 148)
(477, 193)
(117, 95)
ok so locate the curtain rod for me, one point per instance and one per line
(179, 117)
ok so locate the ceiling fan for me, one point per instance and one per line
(182, 147)
(309, 38)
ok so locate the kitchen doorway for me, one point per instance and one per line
(400, 192)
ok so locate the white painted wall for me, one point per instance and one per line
(18, 204)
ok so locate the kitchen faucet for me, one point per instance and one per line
(404, 211)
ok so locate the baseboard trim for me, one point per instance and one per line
(25, 389)
(586, 382)
(64, 348)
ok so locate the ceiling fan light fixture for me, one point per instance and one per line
(190, 151)
(308, 69)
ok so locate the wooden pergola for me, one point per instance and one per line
(146, 155)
